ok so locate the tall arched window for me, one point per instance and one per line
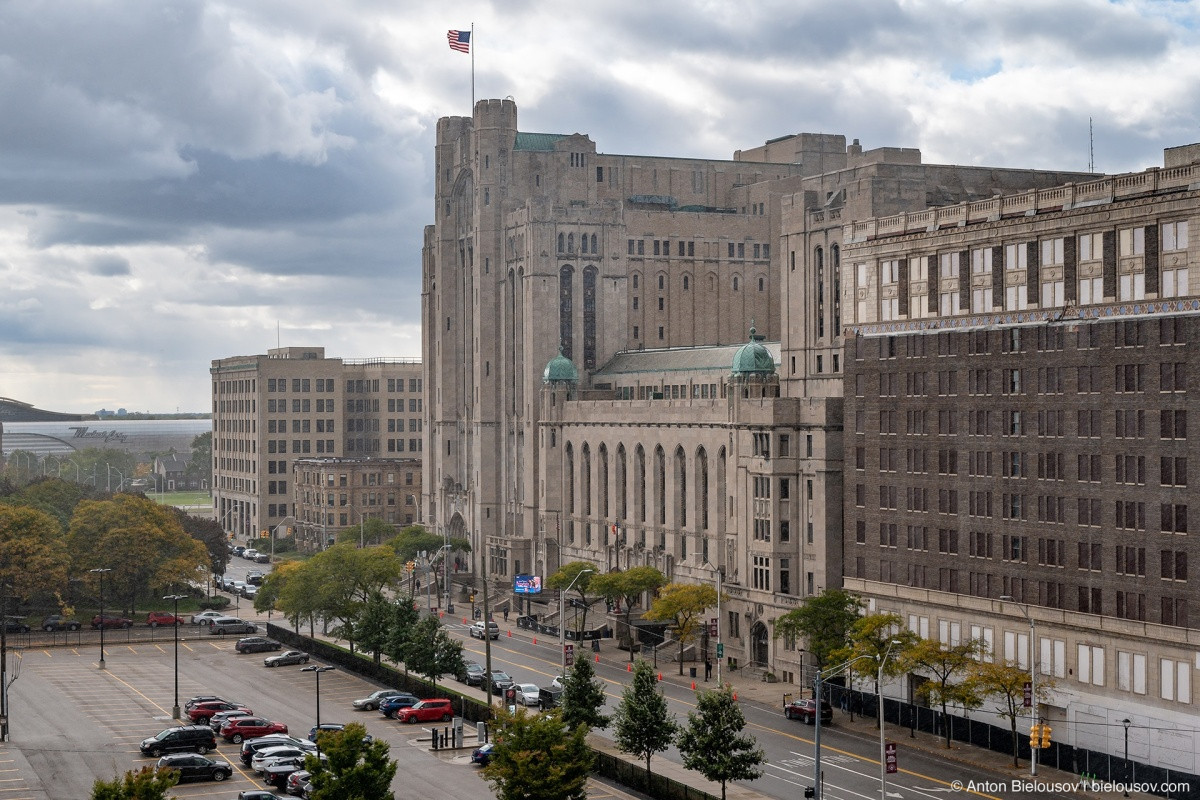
(702, 488)
(835, 257)
(585, 479)
(819, 261)
(589, 318)
(622, 484)
(681, 488)
(660, 486)
(594, 250)
(602, 483)
(639, 483)
(560, 243)
(570, 243)
(566, 308)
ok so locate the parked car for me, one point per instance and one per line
(202, 712)
(482, 754)
(254, 577)
(182, 738)
(249, 592)
(156, 618)
(218, 720)
(239, 549)
(427, 711)
(500, 681)
(57, 622)
(269, 755)
(371, 702)
(286, 658)
(110, 621)
(224, 625)
(258, 794)
(298, 783)
(242, 728)
(15, 625)
(277, 773)
(206, 617)
(805, 710)
(250, 554)
(252, 746)
(478, 629)
(549, 697)
(263, 558)
(527, 693)
(391, 705)
(471, 674)
(256, 644)
(333, 727)
(235, 586)
(194, 767)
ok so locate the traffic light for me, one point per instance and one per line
(1034, 732)
(1045, 736)
(264, 534)
(510, 695)
(810, 791)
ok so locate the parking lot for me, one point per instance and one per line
(71, 723)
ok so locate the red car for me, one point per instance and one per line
(427, 711)
(156, 618)
(202, 712)
(239, 728)
(110, 621)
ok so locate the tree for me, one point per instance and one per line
(199, 466)
(33, 551)
(374, 625)
(145, 784)
(683, 605)
(944, 662)
(430, 651)
(583, 697)
(355, 770)
(871, 637)
(712, 743)
(824, 621)
(643, 724)
(578, 575)
(1004, 682)
(404, 618)
(209, 533)
(627, 587)
(538, 757)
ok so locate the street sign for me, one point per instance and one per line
(1028, 702)
(568, 654)
(721, 650)
(712, 627)
(889, 757)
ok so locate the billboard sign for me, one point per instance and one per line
(527, 584)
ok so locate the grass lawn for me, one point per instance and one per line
(182, 498)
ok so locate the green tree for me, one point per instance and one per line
(404, 619)
(712, 743)
(1003, 682)
(374, 625)
(344, 578)
(199, 466)
(57, 498)
(538, 757)
(145, 784)
(578, 575)
(871, 637)
(627, 587)
(944, 663)
(643, 725)
(583, 697)
(355, 770)
(430, 651)
(824, 621)
(209, 533)
(682, 604)
(33, 551)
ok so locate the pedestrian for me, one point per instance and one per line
(707, 669)
(506, 613)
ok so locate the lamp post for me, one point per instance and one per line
(317, 670)
(882, 744)
(818, 697)
(1125, 722)
(176, 598)
(276, 528)
(449, 604)
(562, 621)
(1033, 701)
(719, 654)
(100, 572)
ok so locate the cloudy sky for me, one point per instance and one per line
(184, 180)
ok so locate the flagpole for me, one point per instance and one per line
(472, 69)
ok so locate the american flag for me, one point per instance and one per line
(459, 40)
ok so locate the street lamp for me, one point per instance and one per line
(100, 572)
(1129, 776)
(318, 670)
(449, 604)
(719, 653)
(819, 692)
(882, 746)
(176, 598)
(1033, 701)
(562, 621)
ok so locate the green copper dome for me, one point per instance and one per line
(560, 369)
(753, 358)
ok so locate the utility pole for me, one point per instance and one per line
(487, 629)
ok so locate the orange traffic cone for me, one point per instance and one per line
(597, 658)
(629, 667)
(510, 636)
(534, 638)
(735, 697)
(693, 686)
(464, 620)
(660, 676)
(441, 614)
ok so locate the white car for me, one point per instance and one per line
(250, 554)
(527, 694)
(269, 755)
(206, 617)
(492, 629)
(557, 683)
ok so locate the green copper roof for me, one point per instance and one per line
(537, 141)
(753, 358)
(560, 369)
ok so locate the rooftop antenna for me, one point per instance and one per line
(1091, 148)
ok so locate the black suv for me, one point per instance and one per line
(549, 697)
(185, 738)
(256, 644)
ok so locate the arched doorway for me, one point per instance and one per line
(759, 644)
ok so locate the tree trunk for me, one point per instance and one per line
(1016, 742)
(681, 658)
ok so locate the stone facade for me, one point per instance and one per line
(335, 494)
(294, 402)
